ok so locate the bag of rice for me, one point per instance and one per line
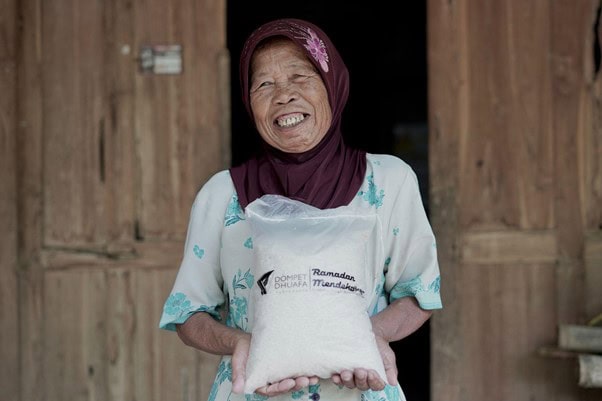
(315, 278)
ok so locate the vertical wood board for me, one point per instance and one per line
(447, 117)
(9, 328)
(509, 314)
(73, 123)
(507, 150)
(569, 51)
(177, 120)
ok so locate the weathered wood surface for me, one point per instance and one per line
(590, 371)
(98, 258)
(178, 120)
(73, 170)
(514, 115)
(447, 117)
(115, 351)
(9, 328)
(580, 338)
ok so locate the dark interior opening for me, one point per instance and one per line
(385, 52)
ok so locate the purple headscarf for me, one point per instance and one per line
(326, 176)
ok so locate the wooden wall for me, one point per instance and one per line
(105, 162)
(99, 164)
(516, 192)
(9, 332)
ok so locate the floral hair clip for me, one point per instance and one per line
(316, 47)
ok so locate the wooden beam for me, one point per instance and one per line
(509, 247)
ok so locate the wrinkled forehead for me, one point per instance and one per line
(296, 58)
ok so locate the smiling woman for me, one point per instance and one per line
(295, 87)
(288, 98)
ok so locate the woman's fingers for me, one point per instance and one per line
(274, 389)
(375, 382)
(347, 378)
(388, 356)
(361, 379)
(239, 363)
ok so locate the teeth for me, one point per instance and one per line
(290, 121)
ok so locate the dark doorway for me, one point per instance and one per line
(385, 52)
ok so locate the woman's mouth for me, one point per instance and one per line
(290, 120)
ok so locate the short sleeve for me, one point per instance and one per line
(411, 265)
(199, 282)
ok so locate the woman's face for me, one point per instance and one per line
(288, 98)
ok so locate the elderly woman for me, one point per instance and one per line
(295, 86)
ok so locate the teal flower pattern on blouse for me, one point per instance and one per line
(249, 243)
(373, 196)
(414, 286)
(234, 212)
(396, 231)
(224, 372)
(387, 263)
(314, 392)
(255, 397)
(435, 286)
(177, 304)
(390, 393)
(237, 316)
(370, 395)
(198, 251)
(297, 394)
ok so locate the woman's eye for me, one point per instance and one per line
(264, 84)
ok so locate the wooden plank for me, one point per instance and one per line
(32, 346)
(9, 328)
(160, 255)
(178, 119)
(590, 371)
(504, 332)
(74, 125)
(120, 67)
(593, 274)
(591, 146)
(506, 152)
(509, 247)
(580, 338)
(569, 50)
(165, 367)
(447, 118)
(121, 332)
(75, 328)
(29, 138)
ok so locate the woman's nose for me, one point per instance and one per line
(285, 92)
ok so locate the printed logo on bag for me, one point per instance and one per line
(263, 282)
(316, 279)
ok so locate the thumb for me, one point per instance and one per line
(239, 364)
(389, 362)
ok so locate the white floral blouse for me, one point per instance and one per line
(216, 269)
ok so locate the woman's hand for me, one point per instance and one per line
(369, 379)
(239, 363)
(362, 379)
(287, 385)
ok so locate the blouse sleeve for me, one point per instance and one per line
(411, 267)
(199, 282)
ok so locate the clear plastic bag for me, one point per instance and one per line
(316, 272)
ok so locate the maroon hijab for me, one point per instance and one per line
(330, 174)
